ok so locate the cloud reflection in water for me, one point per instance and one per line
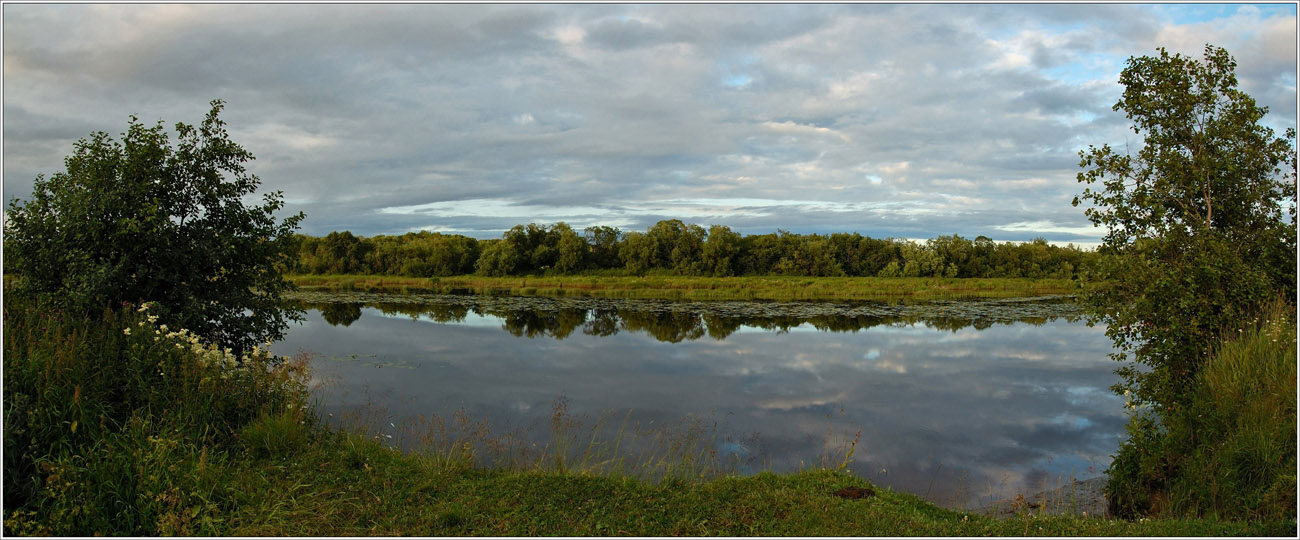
(960, 414)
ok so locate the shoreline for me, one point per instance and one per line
(987, 309)
(757, 288)
(1080, 498)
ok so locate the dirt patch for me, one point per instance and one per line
(854, 492)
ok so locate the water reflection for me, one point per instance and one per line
(667, 326)
(958, 410)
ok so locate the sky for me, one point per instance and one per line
(890, 120)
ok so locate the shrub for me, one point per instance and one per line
(119, 425)
(1231, 453)
(141, 220)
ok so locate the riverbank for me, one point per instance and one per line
(118, 426)
(349, 487)
(779, 288)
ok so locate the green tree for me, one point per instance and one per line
(142, 220)
(344, 253)
(637, 251)
(572, 251)
(676, 246)
(1195, 218)
(1198, 237)
(604, 243)
(720, 252)
(498, 258)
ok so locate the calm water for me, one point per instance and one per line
(961, 410)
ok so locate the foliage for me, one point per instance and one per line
(416, 254)
(672, 247)
(603, 241)
(721, 248)
(118, 424)
(1197, 241)
(141, 220)
(1196, 217)
(1231, 452)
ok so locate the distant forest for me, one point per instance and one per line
(676, 248)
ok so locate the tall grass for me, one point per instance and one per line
(1232, 452)
(1242, 460)
(115, 425)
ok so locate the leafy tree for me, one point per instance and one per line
(954, 252)
(603, 241)
(142, 220)
(1198, 236)
(759, 253)
(806, 255)
(637, 252)
(344, 253)
(720, 251)
(572, 250)
(918, 261)
(498, 258)
(676, 245)
(1196, 217)
(453, 255)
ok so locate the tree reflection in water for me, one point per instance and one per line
(666, 326)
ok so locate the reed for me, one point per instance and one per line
(777, 288)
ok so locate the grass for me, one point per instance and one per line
(113, 427)
(118, 425)
(1232, 452)
(780, 288)
(348, 486)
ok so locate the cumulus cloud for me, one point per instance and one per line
(889, 120)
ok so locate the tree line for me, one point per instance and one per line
(673, 247)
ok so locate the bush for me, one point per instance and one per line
(1231, 453)
(140, 220)
(119, 425)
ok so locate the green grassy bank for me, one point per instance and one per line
(779, 288)
(116, 425)
(1231, 451)
(346, 487)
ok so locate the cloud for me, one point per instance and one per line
(916, 120)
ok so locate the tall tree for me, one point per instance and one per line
(140, 220)
(1197, 219)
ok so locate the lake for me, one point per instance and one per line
(961, 402)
